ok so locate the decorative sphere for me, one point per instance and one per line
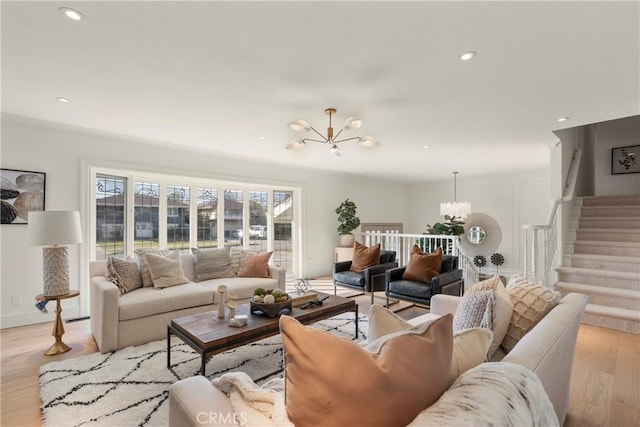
(269, 299)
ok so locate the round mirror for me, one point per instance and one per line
(476, 235)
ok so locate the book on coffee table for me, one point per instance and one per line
(299, 298)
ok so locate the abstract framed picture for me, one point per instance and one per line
(625, 160)
(21, 192)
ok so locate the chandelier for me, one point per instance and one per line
(455, 208)
(331, 139)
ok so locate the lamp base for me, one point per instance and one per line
(56, 270)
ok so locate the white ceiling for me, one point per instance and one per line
(216, 75)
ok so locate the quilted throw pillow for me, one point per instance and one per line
(144, 265)
(485, 305)
(212, 263)
(386, 384)
(531, 302)
(124, 273)
(364, 257)
(423, 267)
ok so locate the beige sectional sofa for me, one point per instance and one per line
(142, 315)
(547, 350)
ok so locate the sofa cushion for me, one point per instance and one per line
(387, 383)
(144, 266)
(485, 305)
(364, 256)
(166, 270)
(411, 289)
(124, 273)
(145, 302)
(254, 265)
(470, 346)
(212, 263)
(350, 278)
(531, 302)
(242, 286)
(423, 267)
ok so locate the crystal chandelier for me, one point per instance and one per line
(330, 138)
(455, 208)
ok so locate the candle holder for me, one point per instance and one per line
(221, 291)
(232, 305)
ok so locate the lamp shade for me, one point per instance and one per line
(54, 228)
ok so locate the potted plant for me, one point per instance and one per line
(347, 222)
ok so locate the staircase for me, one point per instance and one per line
(604, 261)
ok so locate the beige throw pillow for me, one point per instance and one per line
(331, 381)
(531, 302)
(212, 263)
(254, 265)
(470, 346)
(166, 271)
(124, 273)
(485, 305)
(364, 257)
(144, 266)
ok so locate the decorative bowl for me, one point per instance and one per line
(272, 309)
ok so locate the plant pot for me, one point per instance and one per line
(347, 240)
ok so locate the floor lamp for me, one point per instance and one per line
(54, 230)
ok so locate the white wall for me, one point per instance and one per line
(63, 153)
(608, 135)
(511, 200)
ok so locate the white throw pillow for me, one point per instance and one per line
(166, 271)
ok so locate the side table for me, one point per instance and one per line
(58, 329)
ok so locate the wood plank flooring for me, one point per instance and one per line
(605, 388)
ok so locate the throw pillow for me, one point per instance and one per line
(124, 273)
(212, 263)
(387, 384)
(485, 305)
(144, 266)
(364, 257)
(235, 255)
(531, 302)
(423, 267)
(254, 265)
(166, 271)
(470, 346)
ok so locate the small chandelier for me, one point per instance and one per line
(455, 208)
(330, 139)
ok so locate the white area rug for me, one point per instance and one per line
(130, 387)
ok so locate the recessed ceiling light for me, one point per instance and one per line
(262, 138)
(347, 162)
(563, 119)
(467, 55)
(71, 13)
(64, 100)
(426, 146)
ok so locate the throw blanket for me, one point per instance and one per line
(491, 394)
(252, 404)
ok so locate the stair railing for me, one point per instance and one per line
(541, 249)
(569, 190)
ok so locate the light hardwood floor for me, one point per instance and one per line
(605, 384)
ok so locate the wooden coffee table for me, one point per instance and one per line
(208, 334)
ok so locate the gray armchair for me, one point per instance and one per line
(371, 280)
(448, 281)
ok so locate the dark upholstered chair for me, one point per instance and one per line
(449, 281)
(370, 280)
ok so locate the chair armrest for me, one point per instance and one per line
(442, 279)
(378, 269)
(375, 276)
(278, 273)
(195, 402)
(104, 297)
(341, 266)
(442, 304)
(393, 275)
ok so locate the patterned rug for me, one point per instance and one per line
(130, 387)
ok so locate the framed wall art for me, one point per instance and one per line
(21, 192)
(625, 160)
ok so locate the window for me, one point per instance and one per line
(109, 210)
(158, 211)
(207, 218)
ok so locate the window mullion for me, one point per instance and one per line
(129, 208)
(221, 218)
(193, 216)
(162, 216)
(246, 215)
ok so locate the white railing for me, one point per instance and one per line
(402, 244)
(569, 189)
(541, 249)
